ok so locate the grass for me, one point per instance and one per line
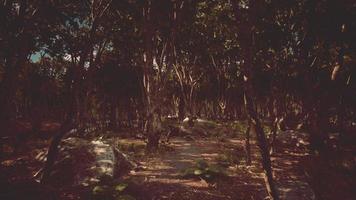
(201, 169)
(135, 148)
(110, 189)
(239, 126)
(228, 158)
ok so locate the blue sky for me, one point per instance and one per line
(35, 57)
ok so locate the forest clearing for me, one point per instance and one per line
(178, 99)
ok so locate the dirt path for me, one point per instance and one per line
(167, 167)
(161, 173)
(289, 173)
(160, 178)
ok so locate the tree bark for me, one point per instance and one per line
(68, 124)
(151, 95)
(181, 108)
(247, 45)
(53, 150)
(263, 146)
(113, 114)
(247, 146)
(8, 88)
(274, 129)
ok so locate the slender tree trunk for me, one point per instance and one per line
(113, 114)
(263, 146)
(53, 150)
(8, 88)
(181, 108)
(247, 44)
(36, 120)
(154, 128)
(151, 90)
(247, 146)
(319, 130)
(273, 134)
(66, 125)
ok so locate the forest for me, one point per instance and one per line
(178, 99)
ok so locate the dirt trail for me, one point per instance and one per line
(167, 167)
(161, 173)
(289, 175)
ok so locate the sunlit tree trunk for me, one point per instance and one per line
(151, 96)
(276, 118)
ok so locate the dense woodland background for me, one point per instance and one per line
(99, 66)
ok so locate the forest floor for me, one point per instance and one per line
(167, 174)
(161, 176)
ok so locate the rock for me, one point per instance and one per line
(83, 162)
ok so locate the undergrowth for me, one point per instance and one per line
(201, 169)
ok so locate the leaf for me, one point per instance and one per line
(198, 172)
(100, 189)
(201, 164)
(121, 187)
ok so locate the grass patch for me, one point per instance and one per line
(202, 170)
(206, 124)
(136, 148)
(109, 189)
(239, 126)
(228, 158)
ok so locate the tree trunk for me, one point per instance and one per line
(36, 121)
(151, 96)
(181, 108)
(273, 134)
(263, 146)
(247, 44)
(154, 129)
(318, 132)
(113, 114)
(247, 146)
(53, 151)
(66, 125)
(8, 88)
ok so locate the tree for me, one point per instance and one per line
(248, 27)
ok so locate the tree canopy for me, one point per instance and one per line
(111, 65)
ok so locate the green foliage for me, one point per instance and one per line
(110, 189)
(121, 187)
(203, 170)
(131, 147)
(266, 128)
(239, 126)
(228, 158)
(207, 124)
